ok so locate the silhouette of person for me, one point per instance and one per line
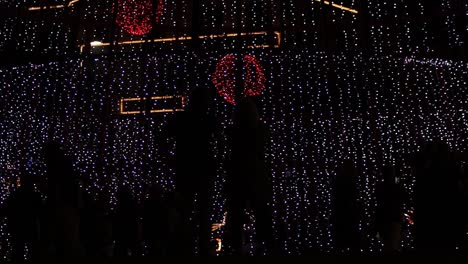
(95, 227)
(88, 236)
(155, 222)
(437, 212)
(22, 209)
(463, 186)
(63, 203)
(248, 183)
(125, 224)
(194, 167)
(345, 216)
(176, 229)
(389, 213)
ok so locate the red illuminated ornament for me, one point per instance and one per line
(134, 16)
(224, 77)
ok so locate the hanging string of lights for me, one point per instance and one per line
(321, 105)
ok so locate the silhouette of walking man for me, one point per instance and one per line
(125, 225)
(389, 210)
(248, 184)
(195, 168)
(345, 215)
(437, 211)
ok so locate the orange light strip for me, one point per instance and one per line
(183, 38)
(73, 2)
(35, 8)
(219, 245)
(278, 36)
(123, 100)
(260, 46)
(354, 11)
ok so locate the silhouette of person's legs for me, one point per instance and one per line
(264, 223)
(392, 237)
(121, 249)
(186, 239)
(17, 248)
(204, 221)
(234, 225)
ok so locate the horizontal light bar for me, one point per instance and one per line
(95, 43)
(35, 8)
(183, 38)
(344, 8)
(123, 100)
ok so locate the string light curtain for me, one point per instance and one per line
(321, 105)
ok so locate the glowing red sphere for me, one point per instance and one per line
(134, 16)
(224, 77)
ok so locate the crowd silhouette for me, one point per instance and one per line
(71, 223)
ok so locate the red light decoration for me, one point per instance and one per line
(134, 16)
(224, 77)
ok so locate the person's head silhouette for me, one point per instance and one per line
(26, 181)
(199, 100)
(124, 195)
(55, 161)
(59, 166)
(388, 174)
(53, 153)
(246, 113)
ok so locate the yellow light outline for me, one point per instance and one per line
(184, 38)
(354, 11)
(35, 8)
(73, 2)
(219, 244)
(123, 100)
